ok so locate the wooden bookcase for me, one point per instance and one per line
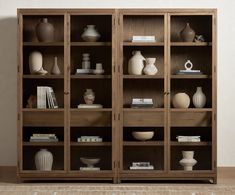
(115, 90)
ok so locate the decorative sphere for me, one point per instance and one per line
(181, 100)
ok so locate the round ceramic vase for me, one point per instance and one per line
(199, 98)
(188, 161)
(90, 34)
(187, 34)
(44, 160)
(45, 31)
(150, 68)
(136, 63)
(181, 100)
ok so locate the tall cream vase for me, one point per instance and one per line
(136, 63)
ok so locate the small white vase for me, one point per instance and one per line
(55, 69)
(199, 98)
(150, 68)
(136, 63)
(43, 160)
(90, 34)
(89, 96)
(188, 161)
(181, 100)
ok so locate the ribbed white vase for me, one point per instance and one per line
(43, 160)
(199, 98)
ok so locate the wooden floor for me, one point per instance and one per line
(9, 186)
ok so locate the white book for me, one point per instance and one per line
(39, 97)
(52, 94)
(142, 168)
(44, 97)
(89, 168)
(48, 98)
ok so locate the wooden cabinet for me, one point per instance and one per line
(115, 90)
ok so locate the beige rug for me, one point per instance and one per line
(116, 189)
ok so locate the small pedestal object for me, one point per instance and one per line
(89, 96)
(98, 69)
(188, 161)
(86, 61)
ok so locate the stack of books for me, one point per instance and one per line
(141, 166)
(89, 139)
(188, 138)
(43, 138)
(143, 39)
(46, 97)
(142, 103)
(189, 72)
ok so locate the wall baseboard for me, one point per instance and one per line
(8, 173)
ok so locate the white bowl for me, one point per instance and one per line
(90, 162)
(143, 135)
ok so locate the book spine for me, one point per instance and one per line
(53, 97)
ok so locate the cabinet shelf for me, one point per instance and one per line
(191, 43)
(43, 110)
(91, 109)
(191, 109)
(143, 143)
(175, 143)
(43, 143)
(90, 44)
(43, 44)
(43, 76)
(143, 109)
(143, 43)
(143, 77)
(190, 77)
(90, 76)
(91, 144)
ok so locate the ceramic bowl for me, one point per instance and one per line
(143, 135)
(90, 162)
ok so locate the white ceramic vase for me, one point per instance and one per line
(150, 68)
(89, 96)
(35, 63)
(199, 98)
(55, 69)
(90, 34)
(188, 161)
(136, 63)
(44, 160)
(181, 100)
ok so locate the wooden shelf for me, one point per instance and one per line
(43, 76)
(143, 77)
(191, 43)
(143, 109)
(43, 143)
(91, 144)
(43, 44)
(43, 110)
(191, 109)
(83, 76)
(91, 109)
(190, 77)
(143, 143)
(143, 43)
(175, 143)
(90, 44)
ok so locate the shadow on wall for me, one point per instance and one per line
(8, 90)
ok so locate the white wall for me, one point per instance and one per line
(226, 64)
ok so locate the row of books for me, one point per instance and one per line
(46, 97)
(43, 138)
(141, 166)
